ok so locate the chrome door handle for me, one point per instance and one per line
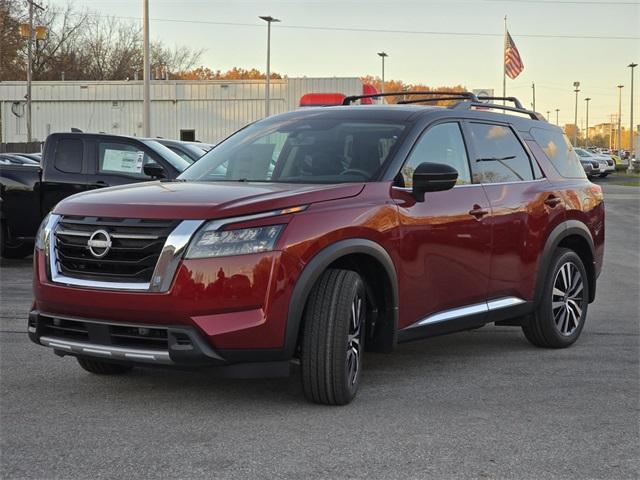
(553, 201)
(478, 212)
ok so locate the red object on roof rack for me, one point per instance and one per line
(321, 99)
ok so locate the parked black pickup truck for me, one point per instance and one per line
(72, 163)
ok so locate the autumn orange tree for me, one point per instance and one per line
(205, 73)
(400, 86)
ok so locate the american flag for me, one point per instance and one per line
(512, 62)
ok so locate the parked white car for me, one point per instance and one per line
(607, 165)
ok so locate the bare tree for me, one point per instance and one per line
(11, 64)
(83, 45)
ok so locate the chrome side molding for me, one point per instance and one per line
(468, 310)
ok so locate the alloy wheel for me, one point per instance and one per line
(354, 345)
(567, 298)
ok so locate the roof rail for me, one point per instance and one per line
(456, 95)
(492, 106)
(515, 101)
(424, 100)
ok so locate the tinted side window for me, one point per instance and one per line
(559, 151)
(121, 158)
(500, 156)
(68, 157)
(440, 144)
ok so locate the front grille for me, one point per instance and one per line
(135, 247)
(143, 337)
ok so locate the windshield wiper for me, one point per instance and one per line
(496, 159)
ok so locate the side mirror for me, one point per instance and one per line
(432, 177)
(154, 170)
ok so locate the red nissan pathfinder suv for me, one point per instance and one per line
(315, 235)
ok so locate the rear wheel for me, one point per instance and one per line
(333, 338)
(562, 311)
(13, 248)
(603, 175)
(100, 367)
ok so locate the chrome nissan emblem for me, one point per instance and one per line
(99, 243)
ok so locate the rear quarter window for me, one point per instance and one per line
(68, 156)
(559, 151)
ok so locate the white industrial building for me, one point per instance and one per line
(205, 110)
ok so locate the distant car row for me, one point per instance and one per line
(596, 164)
(20, 158)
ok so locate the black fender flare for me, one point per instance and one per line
(560, 232)
(318, 265)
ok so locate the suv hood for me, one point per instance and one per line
(199, 200)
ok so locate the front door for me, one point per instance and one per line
(446, 240)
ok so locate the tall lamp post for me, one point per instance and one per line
(632, 147)
(146, 71)
(557, 116)
(267, 95)
(27, 31)
(620, 87)
(575, 120)
(586, 132)
(382, 55)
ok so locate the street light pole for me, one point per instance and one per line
(30, 66)
(586, 134)
(146, 84)
(557, 112)
(632, 147)
(620, 87)
(382, 55)
(548, 112)
(533, 87)
(267, 95)
(575, 121)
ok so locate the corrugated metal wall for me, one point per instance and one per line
(214, 109)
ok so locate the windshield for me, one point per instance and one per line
(179, 163)
(307, 150)
(582, 153)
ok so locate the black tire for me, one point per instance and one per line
(332, 340)
(559, 317)
(100, 367)
(603, 175)
(13, 248)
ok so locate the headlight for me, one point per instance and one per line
(42, 233)
(222, 243)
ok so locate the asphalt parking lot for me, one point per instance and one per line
(483, 404)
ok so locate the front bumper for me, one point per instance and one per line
(142, 344)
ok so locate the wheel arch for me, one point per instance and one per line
(574, 235)
(366, 257)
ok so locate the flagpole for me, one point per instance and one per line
(504, 63)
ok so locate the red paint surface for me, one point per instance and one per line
(444, 257)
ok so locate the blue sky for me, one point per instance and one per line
(475, 61)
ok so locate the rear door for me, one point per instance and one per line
(445, 249)
(523, 204)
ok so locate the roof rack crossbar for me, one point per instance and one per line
(458, 95)
(424, 100)
(515, 101)
(470, 105)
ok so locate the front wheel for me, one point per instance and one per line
(333, 338)
(100, 367)
(603, 175)
(562, 310)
